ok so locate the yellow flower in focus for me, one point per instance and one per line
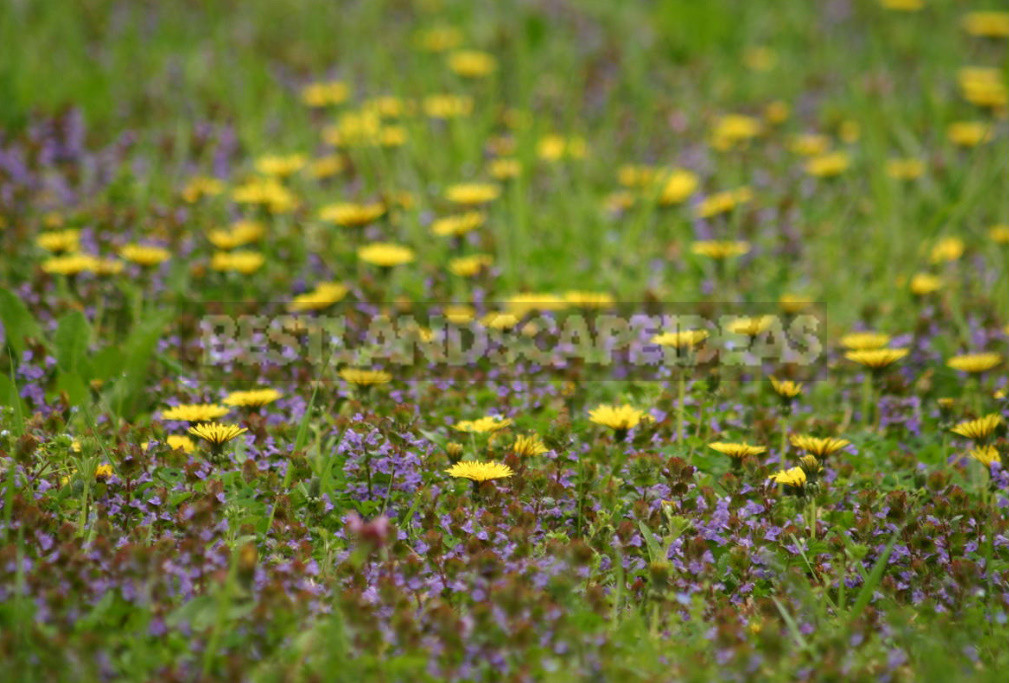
(364, 378)
(325, 93)
(60, 241)
(469, 266)
(720, 249)
(252, 398)
(794, 477)
(987, 24)
(352, 215)
(323, 296)
(828, 165)
(986, 455)
(618, 418)
(974, 363)
(979, 429)
(479, 471)
(472, 63)
(385, 254)
(194, 412)
(483, 425)
(103, 473)
(969, 133)
(876, 359)
(864, 341)
(244, 262)
(820, 447)
(181, 443)
(144, 255)
(472, 194)
(737, 451)
(215, 433)
(786, 388)
(458, 224)
(905, 169)
(528, 446)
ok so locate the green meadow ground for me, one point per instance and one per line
(620, 551)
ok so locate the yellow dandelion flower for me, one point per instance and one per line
(618, 418)
(252, 397)
(809, 144)
(876, 359)
(200, 187)
(59, 241)
(983, 86)
(999, 234)
(325, 93)
(582, 299)
(447, 106)
(720, 249)
(947, 249)
(751, 326)
(458, 224)
(245, 262)
(986, 455)
(777, 112)
(760, 58)
(529, 445)
(974, 363)
(794, 477)
(215, 433)
(979, 429)
(794, 303)
(504, 169)
(479, 471)
(103, 473)
(352, 215)
(828, 165)
(521, 304)
(499, 321)
(385, 254)
(472, 63)
(181, 443)
(239, 234)
(460, 314)
(987, 24)
(864, 341)
(144, 255)
(72, 264)
(323, 296)
(786, 388)
(903, 5)
(820, 447)
(483, 425)
(194, 412)
(723, 202)
(280, 165)
(905, 169)
(364, 378)
(737, 450)
(470, 266)
(969, 133)
(472, 194)
(733, 129)
(676, 186)
(681, 339)
(923, 284)
(556, 147)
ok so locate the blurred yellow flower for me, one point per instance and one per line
(447, 106)
(482, 425)
(786, 388)
(760, 58)
(983, 86)
(828, 165)
(472, 194)
(876, 359)
(201, 186)
(947, 249)
(987, 24)
(723, 202)
(469, 266)
(439, 39)
(280, 165)
(244, 262)
(809, 144)
(348, 214)
(903, 5)
(820, 447)
(472, 63)
(556, 147)
(923, 284)
(385, 254)
(528, 446)
(364, 378)
(737, 450)
(905, 169)
(720, 249)
(973, 363)
(458, 224)
(60, 241)
(999, 234)
(252, 397)
(979, 429)
(969, 133)
(863, 341)
(144, 255)
(194, 412)
(323, 296)
(240, 234)
(325, 93)
(618, 418)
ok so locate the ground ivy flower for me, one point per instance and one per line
(974, 363)
(479, 472)
(252, 398)
(195, 412)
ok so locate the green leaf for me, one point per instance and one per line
(73, 334)
(9, 397)
(71, 382)
(138, 352)
(17, 321)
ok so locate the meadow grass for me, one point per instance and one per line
(327, 540)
